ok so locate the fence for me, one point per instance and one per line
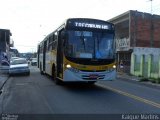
(145, 62)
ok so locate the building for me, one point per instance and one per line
(135, 29)
(4, 44)
(14, 52)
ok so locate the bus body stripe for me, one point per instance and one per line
(88, 67)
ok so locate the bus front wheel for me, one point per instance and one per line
(91, 82)
(58, 82)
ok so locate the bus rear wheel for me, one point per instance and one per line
(53, 73)
(41, 70)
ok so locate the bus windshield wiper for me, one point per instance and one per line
(83, 41)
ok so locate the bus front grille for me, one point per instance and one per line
(93, 77)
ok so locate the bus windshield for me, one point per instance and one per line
(89, 44)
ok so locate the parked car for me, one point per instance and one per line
(19, 66)
(13, 58)
(34, 62)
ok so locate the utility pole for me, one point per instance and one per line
(151, 6)
(151, 27)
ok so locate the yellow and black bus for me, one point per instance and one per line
(81, 49)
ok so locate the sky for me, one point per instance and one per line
(31, 20)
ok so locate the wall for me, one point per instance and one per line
(144, 29)
(145, 62)
(138, 29)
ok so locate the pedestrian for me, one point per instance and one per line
(121, 66)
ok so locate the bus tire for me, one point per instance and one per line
(53, 73)
(58, 82)
(91, 82)
(41, 70)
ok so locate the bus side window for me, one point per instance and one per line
(53, 41)
(55, 38)
(54, 45)
(47, 44)
(50, 43)
(41, 48)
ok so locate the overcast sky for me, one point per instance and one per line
(30, 20)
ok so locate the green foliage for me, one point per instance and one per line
(158, 81)
(144, 79)
(153, 80)
(139, 75)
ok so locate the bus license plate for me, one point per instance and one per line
(93, 76)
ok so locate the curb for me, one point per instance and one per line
(136, 81)
(3, 80)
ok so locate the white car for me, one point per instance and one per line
(34, 62)
(19, 66)
(13, 58)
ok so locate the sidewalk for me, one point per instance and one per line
(135, 79)
(3, 79)
(127, 76)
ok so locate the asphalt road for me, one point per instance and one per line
(38, 94)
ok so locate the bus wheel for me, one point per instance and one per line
(58, 82)
(41, 70)
(91, 82)
(53, 73)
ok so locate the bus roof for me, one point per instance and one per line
(83, 24)
(71, 23)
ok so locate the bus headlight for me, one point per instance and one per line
(68, 66)
(114, 66)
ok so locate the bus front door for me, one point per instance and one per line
(60, 58)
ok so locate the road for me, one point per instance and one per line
(38, 94)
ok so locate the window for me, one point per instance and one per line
(55, 38)
(41, 49)
(50, 43)
(88, 44)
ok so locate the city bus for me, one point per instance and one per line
(81, 49)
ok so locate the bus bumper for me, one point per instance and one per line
(89, 76)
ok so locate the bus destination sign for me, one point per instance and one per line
(91, 25)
